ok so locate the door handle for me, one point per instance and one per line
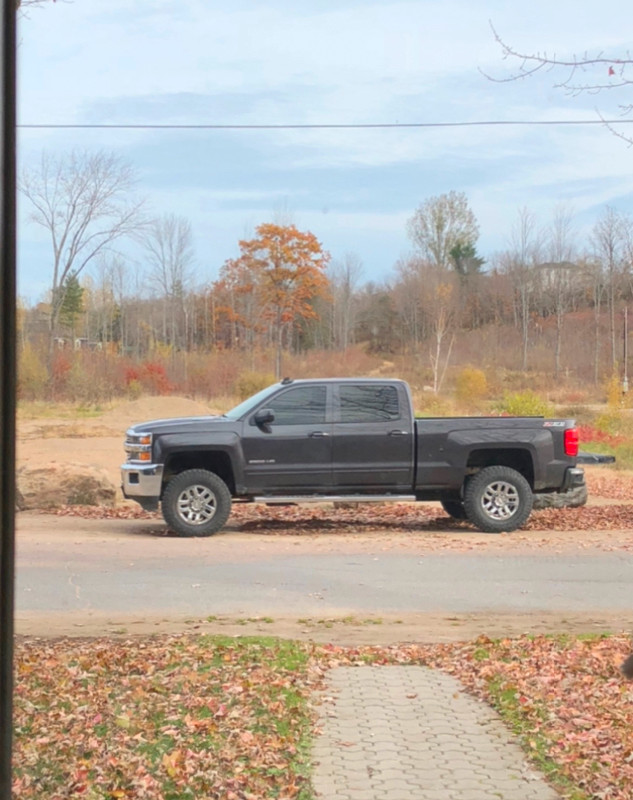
(398, 433)
(318, 434)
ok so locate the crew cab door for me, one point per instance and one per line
(373, 438)
(294, 451)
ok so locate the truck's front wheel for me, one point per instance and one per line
(498, 500)
(454, 508)
(196, 503)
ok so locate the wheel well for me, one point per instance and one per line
(518, 459)
(219, 463)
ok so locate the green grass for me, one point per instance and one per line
(350, 619)
(504, 697)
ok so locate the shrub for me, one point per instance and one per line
(134, 389)
(596, 435)
(155, 378)
(615, 423)
(471, 386)
(211, 375)
(428, 404)
(82, 384)
(60, 371)
(616, 396)
(526, 404)
(32, 374)
(250, 383)
(150, 376)
(613, 390)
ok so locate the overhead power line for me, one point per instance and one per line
(322, 126)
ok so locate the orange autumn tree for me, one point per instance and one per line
(238, 304)
(286, 269)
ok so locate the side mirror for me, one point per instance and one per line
(264, 417)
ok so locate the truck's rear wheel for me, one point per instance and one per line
(196, 503)
(498, 500)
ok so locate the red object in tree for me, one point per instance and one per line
(611, 71)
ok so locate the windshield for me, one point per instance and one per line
(250, 403)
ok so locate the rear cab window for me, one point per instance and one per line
(368, 403)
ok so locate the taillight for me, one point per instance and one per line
(571, 442)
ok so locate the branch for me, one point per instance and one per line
(531, 63)
(24, 6)
(611, 129)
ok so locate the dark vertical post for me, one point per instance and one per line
(7, 386)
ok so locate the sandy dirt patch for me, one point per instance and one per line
(96, 441)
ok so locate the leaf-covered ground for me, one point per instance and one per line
(179, 717)
(168, 718)
(278, 520)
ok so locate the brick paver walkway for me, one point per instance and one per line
(411, 733)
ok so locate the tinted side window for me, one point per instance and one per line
(303, 405)
(366, 403)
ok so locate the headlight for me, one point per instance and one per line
(138, 446)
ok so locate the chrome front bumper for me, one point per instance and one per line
(141, 480)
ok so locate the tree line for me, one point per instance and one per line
(284, 292)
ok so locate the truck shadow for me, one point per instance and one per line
(298, 520)
(308, 526)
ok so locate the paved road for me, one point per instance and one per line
(114, 566)
(388, 582)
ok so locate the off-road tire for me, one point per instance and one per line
(454, 508)
(498, 500)
(196, 503)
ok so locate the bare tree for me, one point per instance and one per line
(627, 239)
(407, 293)
(594, 274)
(559, 274)
(586, 73)
(344, 277)
(441, 309)
(609, 239)
(519, 263)
(112, 295)
(103, 310)
(169, 245)
(441, 226)
(83, 201)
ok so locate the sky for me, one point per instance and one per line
(322, 62)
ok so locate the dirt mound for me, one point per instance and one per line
(54, 484)
(149, 408)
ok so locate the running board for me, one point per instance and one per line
(336, 498)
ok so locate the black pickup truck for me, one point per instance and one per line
(348, 440)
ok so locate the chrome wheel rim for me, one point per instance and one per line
(196, 505)
(500, 500)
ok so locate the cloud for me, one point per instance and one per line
(336, 61)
